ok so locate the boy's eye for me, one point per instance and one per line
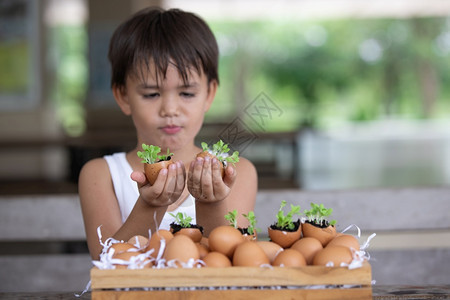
(150, 95)
(187, 95)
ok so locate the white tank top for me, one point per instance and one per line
(127, 192)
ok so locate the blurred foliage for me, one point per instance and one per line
(68, 54)
(329, 72)
(15, 60)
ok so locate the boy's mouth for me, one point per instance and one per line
(171, 129)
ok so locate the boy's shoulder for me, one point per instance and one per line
(94, 167)
(245, 165)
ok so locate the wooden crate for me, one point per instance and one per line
(310, 282)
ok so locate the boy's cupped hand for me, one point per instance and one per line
(205, 182)
(167, 188)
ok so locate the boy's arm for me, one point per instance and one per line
(241, 197)
(100, 207)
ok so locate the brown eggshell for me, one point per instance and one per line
(203, 154)
(284, 238)
(308, 247)
(155, 241)
(216, 260)
(205, 241)
(225, 239)
(139, 241)
(289, 258)
(122, 247)
(251, 237)
(324, 235)
(202, 250)
(194, 233)
(346, 240)
(152, 170)
(181, 248)
(334, 254)
(270, 248)
(249, 254)
(126, 256)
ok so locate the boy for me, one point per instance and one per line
(164, 76)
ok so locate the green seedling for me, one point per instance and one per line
(182, 219)
(232, 218)
(251, 229)
(150, 154)
(318, 215)
(285, 221)
(220, 150)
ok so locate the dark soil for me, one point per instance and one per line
(243, 230)
(177, 227)
(167, 159)
(323, 224)
(296, 226)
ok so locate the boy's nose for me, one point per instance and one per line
(169, 107)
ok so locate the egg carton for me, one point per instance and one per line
(309, 282)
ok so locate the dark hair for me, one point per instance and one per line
(162, 37)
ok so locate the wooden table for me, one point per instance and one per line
(379, 292)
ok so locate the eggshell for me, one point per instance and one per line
(346, 240)
(206, 153)
(270, 248)
(324, 235)
(205, 241)
(194, 233)
(250, 237)
(308, 247)
(122, 247)
(202, 250)
(216, 260)
(155, 241)
(152, 170)
(181, 248)
(284, 238)
(126, 256)
(334, 254)
(249, 254)
(139, 241)
(289, 258)
(225, 239)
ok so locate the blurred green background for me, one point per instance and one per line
(365, 99)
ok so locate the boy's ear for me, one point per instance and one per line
(212, 89)
(122, 99)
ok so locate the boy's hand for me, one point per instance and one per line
(205, 181)
(167, 188)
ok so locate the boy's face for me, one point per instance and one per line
(168, 113)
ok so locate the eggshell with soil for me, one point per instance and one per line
(284, 238)
(152, 170)
(194, 233)
(324, 235)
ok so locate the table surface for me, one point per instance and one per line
(378, 291)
